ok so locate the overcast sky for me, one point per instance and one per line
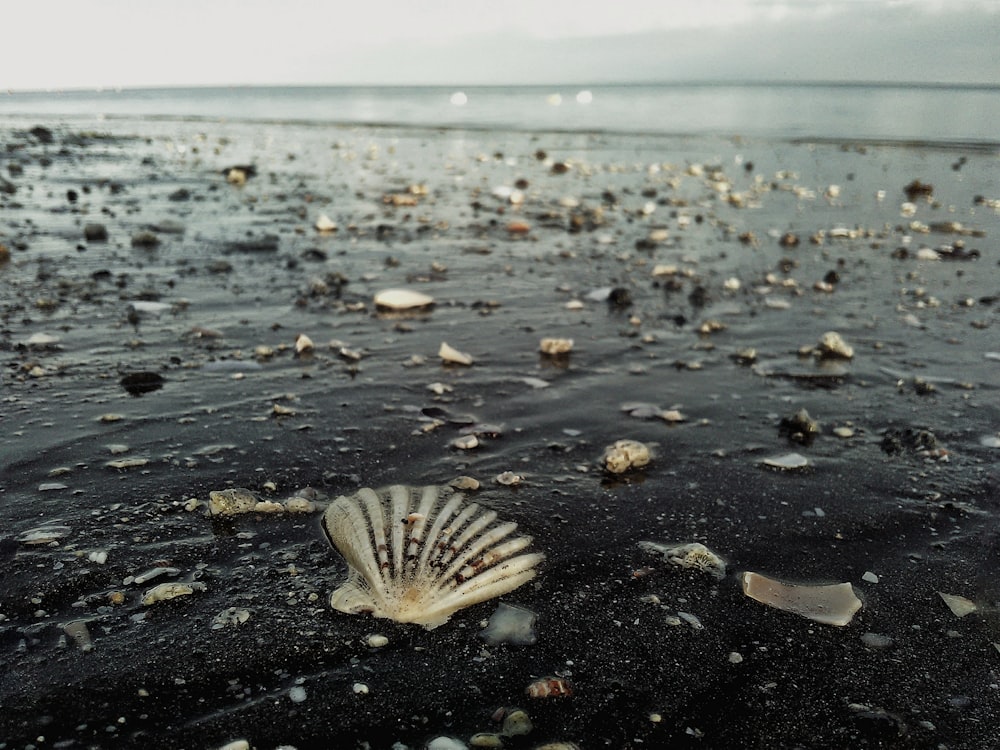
(107, 43)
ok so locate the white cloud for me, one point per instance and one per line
(75, 43)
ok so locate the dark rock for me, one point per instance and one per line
(42, 134)
(181, 194)
(896, 441)
(71, 196)
(917, 189)
(141, 383)
(145, 239)
(620, 297)
(267, 243)
(95, 233)
(7, 187)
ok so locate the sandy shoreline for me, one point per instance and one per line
(674, 249)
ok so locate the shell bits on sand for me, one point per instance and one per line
(420, 554)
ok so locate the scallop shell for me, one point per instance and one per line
(420, 554)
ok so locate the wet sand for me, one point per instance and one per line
(674, 248)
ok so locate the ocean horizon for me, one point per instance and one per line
(933, 113)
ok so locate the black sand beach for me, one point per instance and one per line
(145, 368)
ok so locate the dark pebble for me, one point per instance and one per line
(95, 233)
(42, 134)
(141, 383)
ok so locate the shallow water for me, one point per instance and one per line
(161, 675)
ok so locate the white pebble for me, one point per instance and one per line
(297, 694)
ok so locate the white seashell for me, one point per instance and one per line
(450, 354)
(451, 556)
(402, 299)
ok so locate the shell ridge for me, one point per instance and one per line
(348, 530)
(376, 518)
(424, 511)
(471, 552)
(495, 582)
(354, 597)
(497, 556)
(474, 528)
(400, 502)
(446, 544)
(441, 517)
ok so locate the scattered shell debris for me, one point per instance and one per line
(451, 355)
(959, 605)
(510, 624)
(693, 555)
(165, 591)
(420, 554)
(325, 225)
(832, 346)
(555, 347)
(508, 479)
(303, 344)
(623, 455)
(230, 616)
(829, 604)
(44, 534)
(237, 500)
(549, 687)
(402, 299)
(80, 633)
(787, 462)
(516, 723)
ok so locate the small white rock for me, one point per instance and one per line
(402, 299)
(452, 355)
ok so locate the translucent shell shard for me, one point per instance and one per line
(420, 554)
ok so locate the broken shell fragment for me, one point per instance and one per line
(831, 604)
(549, 687)
(623, 455)
(510, 624)
(325, 224)
(303, 344)
(453, 356)
(165, 591)
(832, 346)
(693, 555)
(231, 502)
(555, 347)
(402, 299)
(452, 555)
(959, 605)
(787, 462)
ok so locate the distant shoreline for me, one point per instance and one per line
(680, 84)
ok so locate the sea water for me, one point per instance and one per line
(883, 112)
